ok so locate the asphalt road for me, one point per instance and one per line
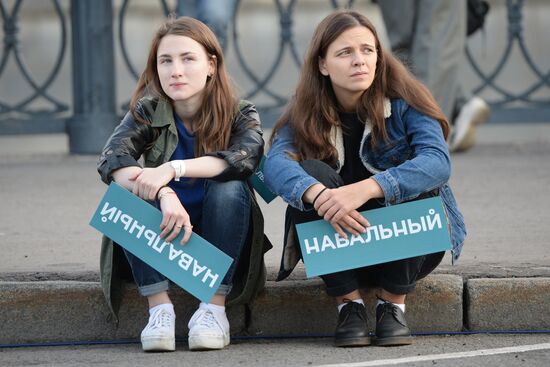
(469, 350)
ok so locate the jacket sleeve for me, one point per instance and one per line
(429, 167)
(124, 147)
(283, 175)
(246, 145)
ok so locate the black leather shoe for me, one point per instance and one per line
(391, 326)
(352, 328)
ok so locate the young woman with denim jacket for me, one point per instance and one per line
(360, 133)
(199, 146)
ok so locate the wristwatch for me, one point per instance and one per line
(179, 168)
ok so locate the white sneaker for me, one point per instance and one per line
(159, 334)
(208, 330)
(474, 112)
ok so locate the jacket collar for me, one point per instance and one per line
(163, 115)
(338, 139)
(387, 107)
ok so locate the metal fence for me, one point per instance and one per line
(91, 114)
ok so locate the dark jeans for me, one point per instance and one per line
(397, 277)
(225, 222)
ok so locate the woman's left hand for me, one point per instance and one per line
(148, 182)
(334, 204)
(338, 206)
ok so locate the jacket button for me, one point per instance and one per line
(243, 152)
(109, 152)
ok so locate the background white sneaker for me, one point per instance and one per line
(159, 334)
(474, 112)
(208, 329)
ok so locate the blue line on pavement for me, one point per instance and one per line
(273, 336)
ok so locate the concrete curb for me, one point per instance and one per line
(54, 311)
(508, 304)
(297, 307)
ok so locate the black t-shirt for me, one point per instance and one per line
(353, 170)
(352, 131)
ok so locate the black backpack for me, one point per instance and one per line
(477, 10)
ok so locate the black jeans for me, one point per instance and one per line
(397, 277)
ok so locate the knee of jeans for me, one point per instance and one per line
(226, 192)
(324, 173)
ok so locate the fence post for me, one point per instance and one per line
(94, 96)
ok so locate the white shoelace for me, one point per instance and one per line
(160, 319)
(207, 319)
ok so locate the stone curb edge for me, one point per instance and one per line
(61, 311)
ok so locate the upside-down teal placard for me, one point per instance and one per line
(258, 182)
(396, 232)
(198, 266)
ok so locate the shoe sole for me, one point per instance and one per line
(158, 344)
(207, 343)
(479, 116)
(468, 141)
(353, 342)
(393, 341)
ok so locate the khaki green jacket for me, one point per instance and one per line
(156, 142)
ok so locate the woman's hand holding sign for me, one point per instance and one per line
(334, 201)
(174, 216)
(339, 206)
(148, 181)
(150, 184)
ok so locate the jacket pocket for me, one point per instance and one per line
(153, 157)
(390, 155)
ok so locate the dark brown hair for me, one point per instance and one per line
(212, 122)
(313, 111)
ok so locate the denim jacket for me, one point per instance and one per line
(414, 160)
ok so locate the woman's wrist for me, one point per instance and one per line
(372, 189)
(312, 192)
(317, 196)
(163, 191)
(179, 168)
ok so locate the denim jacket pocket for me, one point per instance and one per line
(390, 155)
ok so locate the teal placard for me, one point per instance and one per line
(198, 266)
(396, 232)
(258, 182)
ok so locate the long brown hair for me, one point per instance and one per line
(313, 111)
(213, 119)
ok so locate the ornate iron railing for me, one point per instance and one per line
(534, 108)
(21, 116)
(508, 102)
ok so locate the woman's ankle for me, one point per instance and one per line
(158, 299)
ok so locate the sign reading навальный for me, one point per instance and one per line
(396, 232)
(198, 266)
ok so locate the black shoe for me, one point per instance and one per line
(352, 329)
(391, 326)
